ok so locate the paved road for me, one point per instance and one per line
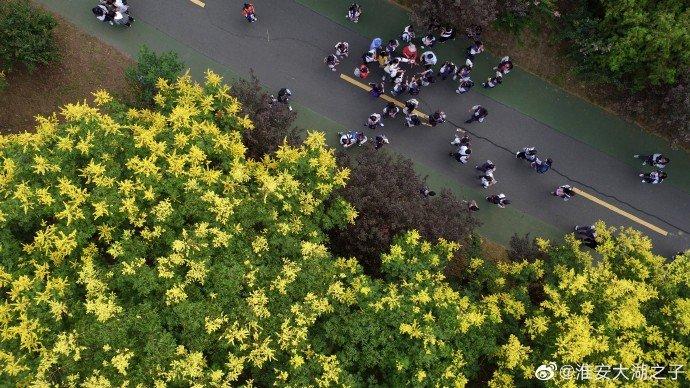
(286, 48)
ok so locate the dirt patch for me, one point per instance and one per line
(86, 65)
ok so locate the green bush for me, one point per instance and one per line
(26, 35)
(149, 68)
(635, 44)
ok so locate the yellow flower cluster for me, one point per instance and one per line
(108, 188)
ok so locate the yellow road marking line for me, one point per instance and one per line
(620, 211)
(199, 3)
(383, 96)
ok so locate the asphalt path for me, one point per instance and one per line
(286, 47)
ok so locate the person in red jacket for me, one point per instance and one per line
(410, 53)
(249, 12)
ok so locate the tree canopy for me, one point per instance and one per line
(143, 247)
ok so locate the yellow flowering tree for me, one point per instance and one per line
(143, 247)
(621, 314)
(412, 327)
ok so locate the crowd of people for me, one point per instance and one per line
(407, 71)
(114, 12)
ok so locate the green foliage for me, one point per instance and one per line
(149, 68)
(26, 35)
(516, 15)
(385, 191)
(523, 248)
(633, 43)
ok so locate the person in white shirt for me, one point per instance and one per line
(342, 49)
(478, 114)
(408, 34)
(501, 200)
(429, 59)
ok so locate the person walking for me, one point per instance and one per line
(362, 71)
(501, 200)
(374, 120)
(487, 179)
(504, 67)
(479, 113)
(565, 192)
(399, 88)
(471, 205)
(654, 177)
(354, 11)
(342, 49)
(351, 138)
(103, 14)
(587, 234)
(429, 59)
(462, 72)
(413, 120)
(399, 76)
(414, 86)
(459, 140)
(464, 86)
(447, 33)
(392, 70)
(376, 89)
(332, 61)
(438, 117)
(428, 41)
(486, 167)
(462, 154)
(410, 106)
(390, 110)
(473, 50)
(527, 153)
(492, 82)
(361, 138)
(380, 141)
(425, 191)
(383, 58)
(284, 95)
(392, 46)
(410, 53)
(542, 166)
(249, 12)
(447, 70)
(369, 57)
(376, 44)
(408, 34)
(654, 160)
(427, 77)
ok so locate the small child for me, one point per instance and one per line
(249, 13)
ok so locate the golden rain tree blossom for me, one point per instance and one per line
(127, 235)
